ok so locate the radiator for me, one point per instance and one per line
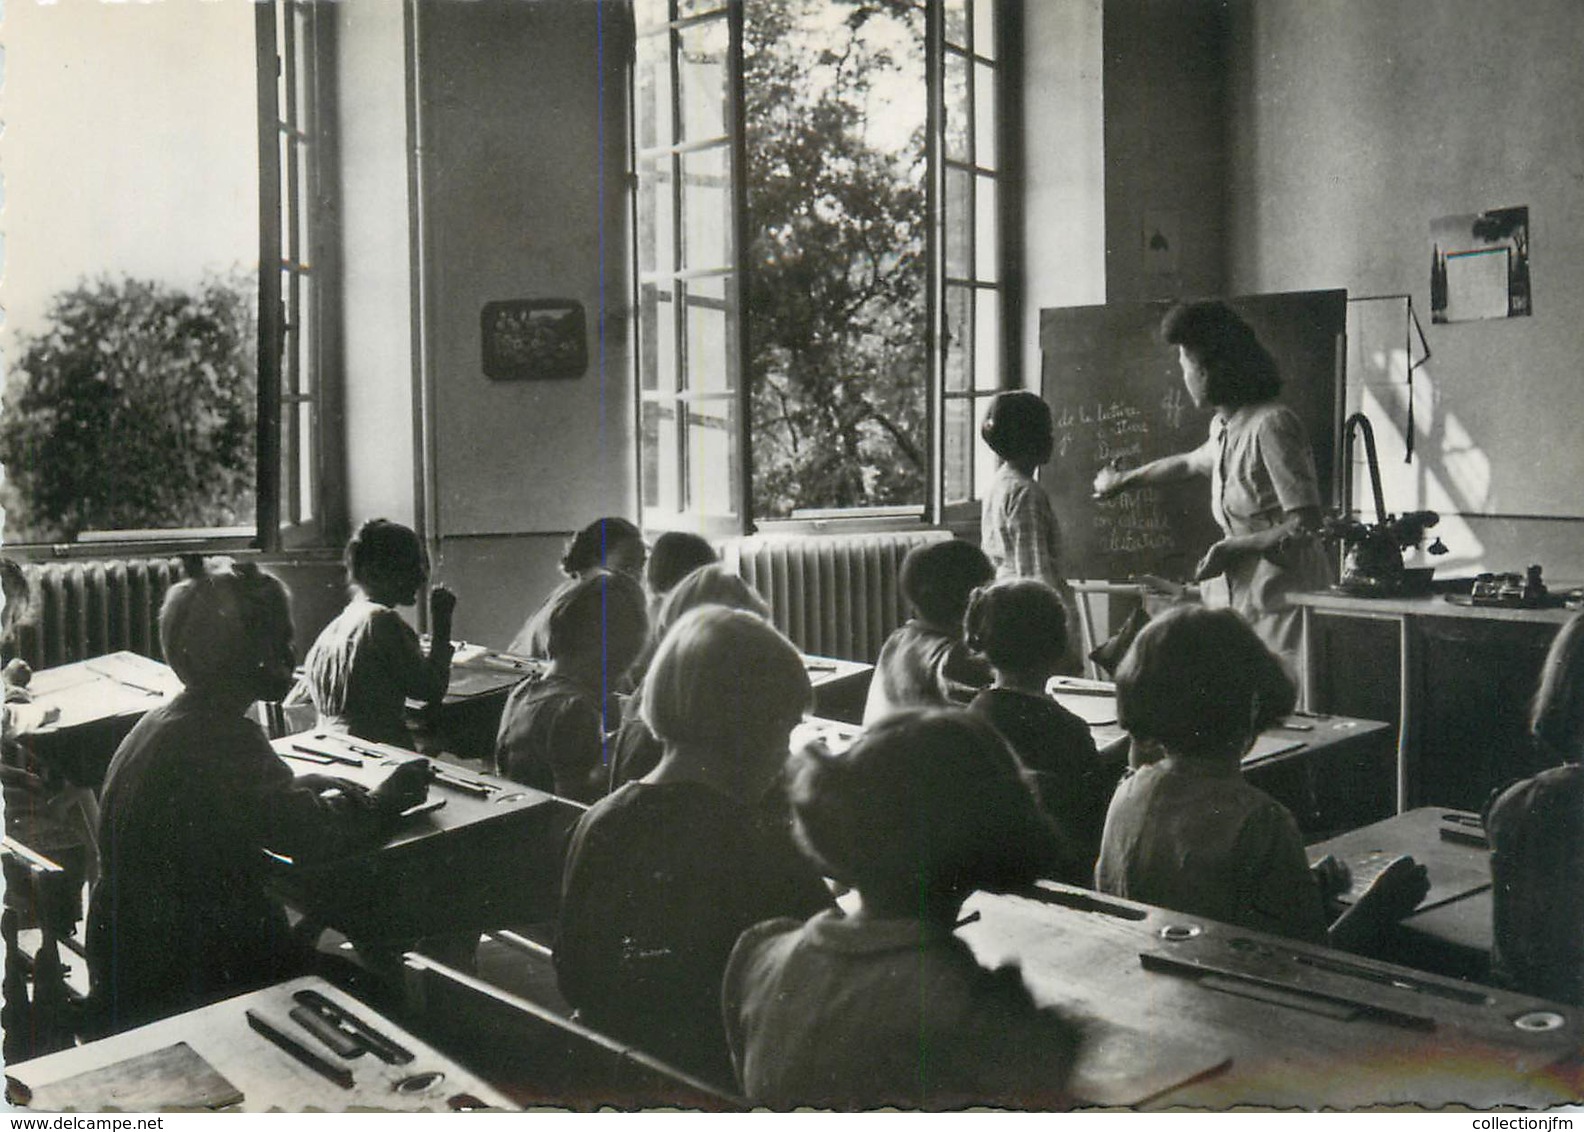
(833, 595)
(87, 609)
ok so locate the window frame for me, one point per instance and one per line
(935, 509)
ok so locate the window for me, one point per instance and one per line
(163, 354)
(820, 275)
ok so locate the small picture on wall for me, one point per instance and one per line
(533, 339)
(1479, 266)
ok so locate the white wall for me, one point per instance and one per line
(1355, 123)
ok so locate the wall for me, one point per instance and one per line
(1064, 246)
(522, 164)
(377, 352)
(1165, 161)
(1352, 125)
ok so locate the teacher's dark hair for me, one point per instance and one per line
(1238, 369)
(1199, 680)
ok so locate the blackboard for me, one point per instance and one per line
(1115, 390)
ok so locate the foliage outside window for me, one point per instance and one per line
(809, 340)
(162, 365)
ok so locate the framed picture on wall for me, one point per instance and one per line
(1479, 266)
(533, 339)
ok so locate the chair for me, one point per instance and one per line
(537, 1057)
(44, 997)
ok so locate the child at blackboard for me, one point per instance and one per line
(1536, 834)
(194, 795)
(553, 730)
(1018, 527)
(1187, 832)
(924, 663)
(885, 1005)
(1020, 627)
(368, 661)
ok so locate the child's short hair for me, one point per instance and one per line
(1196, 680)
(938, 577)
(928, 801)
(1556, 715)
(591, 546)
(381, 550)
(723, 677)
(218, 628)
(604, 615)
(708, 585)
(1019, 624)
(674, 556)
(1017, 425)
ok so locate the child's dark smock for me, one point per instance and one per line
(552, 736)
(660, 880)
(920, 666)
(1536, 833)
(364, 666)
(846, 1014)
(180, 915)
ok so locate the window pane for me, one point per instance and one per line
(651, 14)
(984, 28)
(987, 343)
(711, 368)
(687, 8)
(713, 472)
(984, 460)
(984, 116)
(656, 249)
(958, 420)
(662, 456)
(955, 104)
(653, 90)
(707, 209)
(959, 337)
(958, 220)
(656, 337)
(305, 468)
(986, 224)
(955, 22)
(702, 79)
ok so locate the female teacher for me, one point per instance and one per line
(1263, 489)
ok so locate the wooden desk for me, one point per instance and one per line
(94, 704)
(1451, 931)
(267, 1078)
(1332, 772)
(490, 857)
(840, 687)
(467, 720)
(1463, 675)
(1275, 1013)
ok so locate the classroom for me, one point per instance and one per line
(476, 306)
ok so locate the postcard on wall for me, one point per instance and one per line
(1480, 265)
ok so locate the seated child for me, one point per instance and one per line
(553, 730)
(1536, 833)
(663, 875)
(368, 661)
(885, 1006)
(610, 544)
(1020, 627)
(180, 915)
(1187, 832)
(676, 554)
(925, 663)
(637, 750)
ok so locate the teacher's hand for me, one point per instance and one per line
(1215, 561)
(1108, 481)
